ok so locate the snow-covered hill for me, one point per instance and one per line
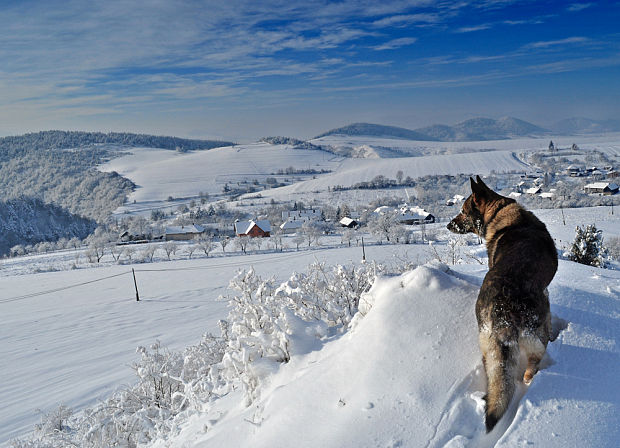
(160, 174)
(376, 130)
(475, 129)
(353, 171)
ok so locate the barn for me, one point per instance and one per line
(259, 228)
(183, 233)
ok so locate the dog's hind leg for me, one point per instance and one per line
(533, 342)
(534, 350)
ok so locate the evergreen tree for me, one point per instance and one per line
(588, 247)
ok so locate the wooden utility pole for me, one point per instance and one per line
(135, 284)
(363, 250)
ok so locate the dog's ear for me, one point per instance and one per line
(478, 188)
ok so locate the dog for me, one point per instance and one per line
(512, 310)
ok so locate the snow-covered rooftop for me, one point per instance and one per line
(175, 230)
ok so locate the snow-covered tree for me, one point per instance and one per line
(170, 247)
(242, 242)
(382, 225)
(224, 242)
(205, 243)
(588, 247)
(311, 232)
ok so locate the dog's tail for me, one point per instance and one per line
(501, 364)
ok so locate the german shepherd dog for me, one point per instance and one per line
(514, 320)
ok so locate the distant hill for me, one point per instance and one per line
(376, 130)
(580, 125)
(444, 133)
(503, 128)
(475, 129)
(76, 139)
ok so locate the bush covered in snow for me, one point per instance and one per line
(267, 325)
(588, 247)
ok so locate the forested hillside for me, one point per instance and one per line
(65, 178)
(76, 139)
(28, 221)
(59, 167)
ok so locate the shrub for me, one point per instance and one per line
(588, 247)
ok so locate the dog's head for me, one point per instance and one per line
(471, 218)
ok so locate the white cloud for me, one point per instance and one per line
(470, 29)
(556, 43)
(575, 7)
(396, 43)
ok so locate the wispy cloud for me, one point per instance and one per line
(575, 7)
(396, 43)
(556, 43)
(404, 20)
(470, 29)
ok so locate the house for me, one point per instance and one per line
(574, 170)
(522, 185)
(597, 174)
(259, 228)
(293, 225)
(348, 222)
(457, 198)
(533, 190)
(603, 188)
(407, 214)
(514, 194)
(547, 195)
(414, 215)
(183, 233)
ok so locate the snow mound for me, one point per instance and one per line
(408, 374)
(378, 384)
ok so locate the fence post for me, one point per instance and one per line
(363, 251)
(135, 284)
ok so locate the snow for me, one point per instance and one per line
(194, 228)
(162, 173)
(409, 374)
(75, 346)
(353, 171)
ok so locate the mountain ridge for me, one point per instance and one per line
(477, 129)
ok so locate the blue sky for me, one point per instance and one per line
(240, 70)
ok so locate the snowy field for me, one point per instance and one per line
(75, 346)
(161, 174)
(406, 374)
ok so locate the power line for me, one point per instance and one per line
(192, 268)
(49, 291)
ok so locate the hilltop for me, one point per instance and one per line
(478, 129)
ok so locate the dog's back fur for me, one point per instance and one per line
(512, 307)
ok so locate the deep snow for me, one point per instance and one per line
(407, 374)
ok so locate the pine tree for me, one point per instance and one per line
(588, 247)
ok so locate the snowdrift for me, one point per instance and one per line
(409, 374)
